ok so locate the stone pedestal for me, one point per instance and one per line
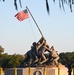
(36, 71)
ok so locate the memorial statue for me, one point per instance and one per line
(36, 55)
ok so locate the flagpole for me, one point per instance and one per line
(34, 21)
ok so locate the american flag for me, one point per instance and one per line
(22, 15)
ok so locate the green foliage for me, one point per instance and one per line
(1, 49)
(67, 58)
(10, 61)
(61, 4)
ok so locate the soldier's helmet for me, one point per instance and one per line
(34, 43)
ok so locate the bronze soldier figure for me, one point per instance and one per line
(54, 55)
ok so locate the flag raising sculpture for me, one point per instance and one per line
(22, 15)
(36, 56)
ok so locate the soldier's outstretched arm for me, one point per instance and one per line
(47, 49)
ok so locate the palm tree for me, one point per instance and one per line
(1, 49)
(61, 4)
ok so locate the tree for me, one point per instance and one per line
(4, 58)
(10, 61)
(67, 58)
(61, 4)
(1, 49)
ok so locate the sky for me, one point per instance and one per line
(17, 37)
